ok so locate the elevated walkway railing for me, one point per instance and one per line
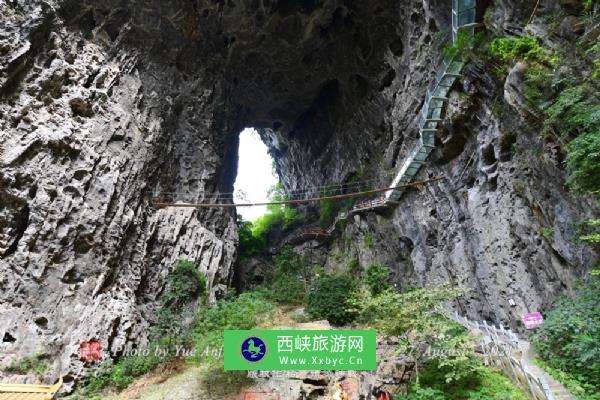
(464, 14)
(501, 348)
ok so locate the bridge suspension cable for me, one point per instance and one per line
(159, 204)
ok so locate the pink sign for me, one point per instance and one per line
(533, 320)
(90, 350)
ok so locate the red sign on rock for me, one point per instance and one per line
(533, 320)
(90, 350)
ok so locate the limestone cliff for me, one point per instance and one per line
(105, 103)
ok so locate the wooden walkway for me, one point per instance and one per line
(29, 392)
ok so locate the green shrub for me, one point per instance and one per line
(31, 364)
(354, 269)
(242, 312)
(127, 369)
(278, 216)
(538, 86)
(290, 278)
(464, 44)
(327, 211)
(484, 384)
(369, 240)
(569, 340)
(122, 373)
(575, 114)
(328, 297)
(589, 4)
(287, 289)
(576, 110)
(575, 384)
(591, 231)
(100, 378)
(250, 245)
(416, 392)
(522, 48)
(583, 162)
(376, 278)
(414, 316)
(185, 284)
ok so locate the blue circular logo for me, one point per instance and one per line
(253, 349)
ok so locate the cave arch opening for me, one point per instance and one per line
(255, 176)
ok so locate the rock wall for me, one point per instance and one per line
(103, 104)
(90, 129)
(503, 223)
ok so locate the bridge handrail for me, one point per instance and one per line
(464, 15)
(515, 369)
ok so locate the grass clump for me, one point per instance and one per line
(33, 363)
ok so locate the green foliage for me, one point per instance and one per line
(354, 269)
(254, 235)
(31, 364)
(369, 240)
(242, 312)
(576, 110)
(463, 46)
(291, 277)
(185, 284)
(538, 89)
(417, 392)
(573, 383)
(328, 297)
(589, 4)
(287, 289)
(596, 73)
(376, 278)
(101, 378)
(127, 369)
(121, 374)
(486, 384)
(414, 316)
(569, 340)
(575, 114)
(250, 245)
(591, 231)
(521, 48)
(583, 162)
(327, 211)
(547, 232)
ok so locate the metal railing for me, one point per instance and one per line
(499, 346)
(464, 14)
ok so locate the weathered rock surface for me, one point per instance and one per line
(104, 103)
